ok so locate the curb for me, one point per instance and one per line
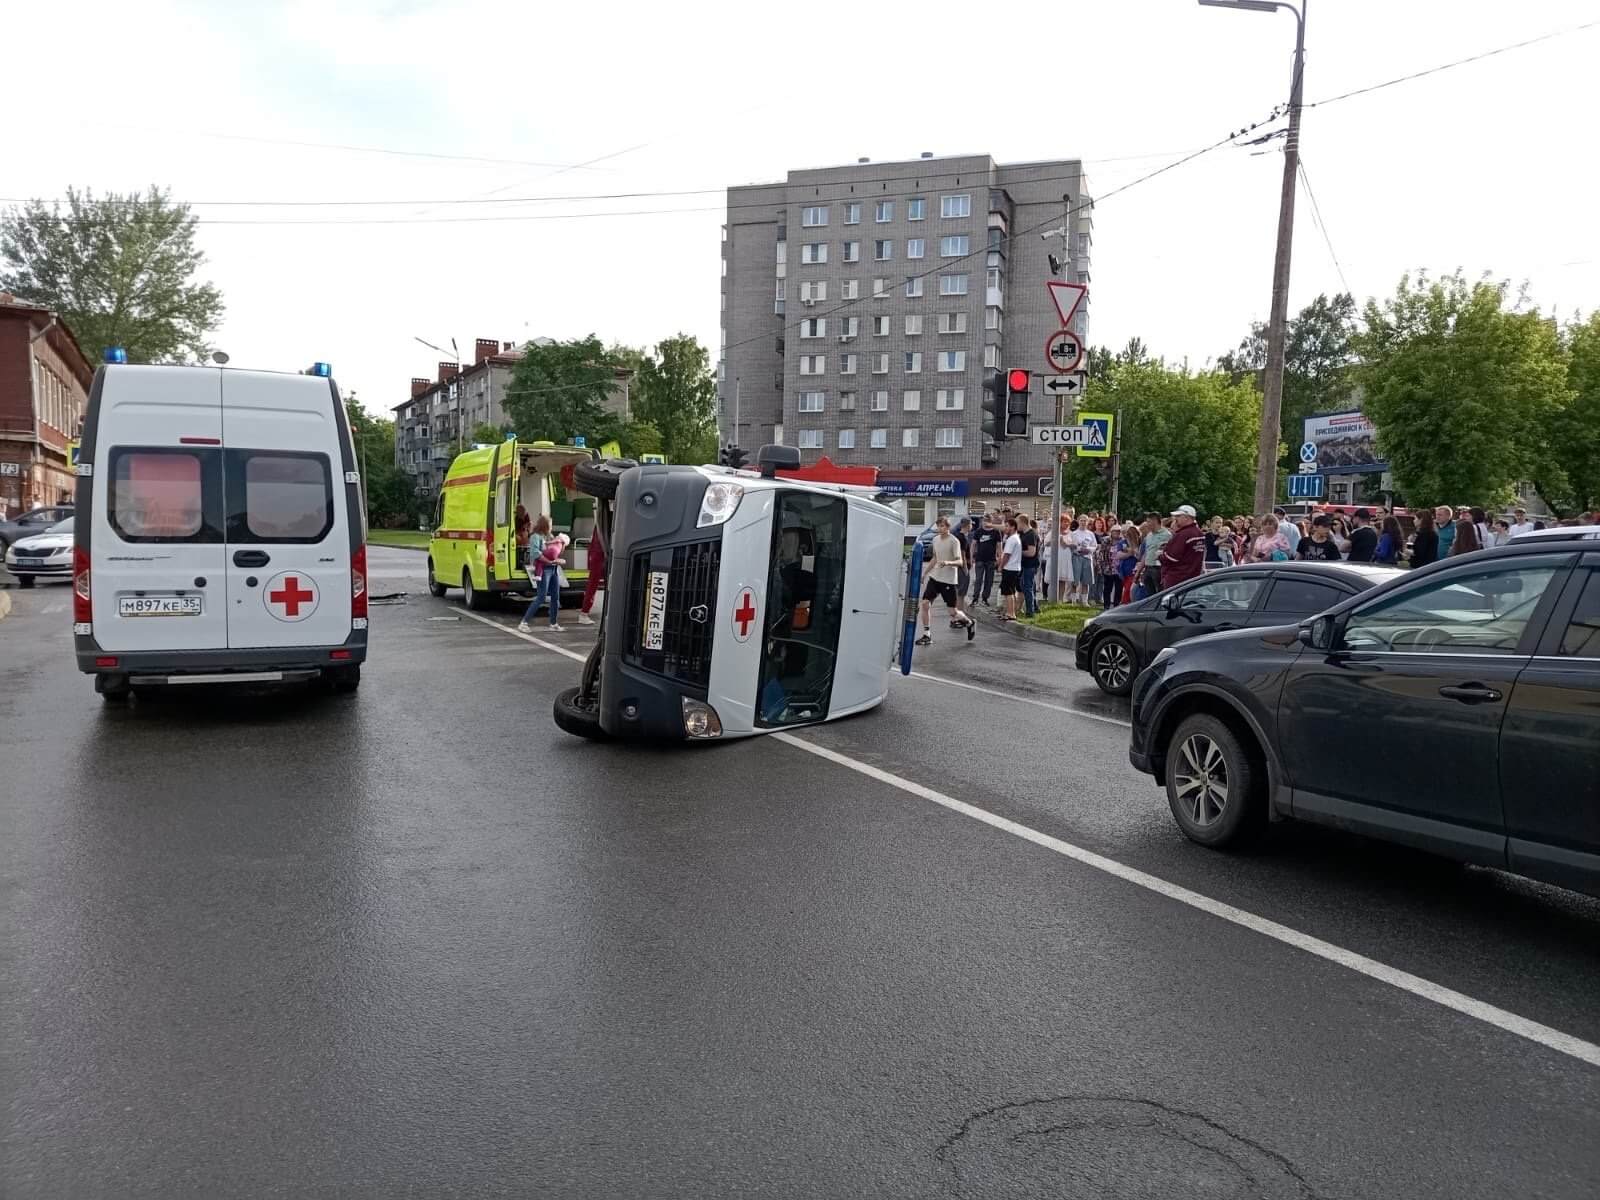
(1030, 633)
(392, 546)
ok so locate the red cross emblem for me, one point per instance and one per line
(295, 595)
(744, 614)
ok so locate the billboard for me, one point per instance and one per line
(1341, 443)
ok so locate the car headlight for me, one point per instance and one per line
(700, 720)
(11, 554)
(719, 503)
(61, 552)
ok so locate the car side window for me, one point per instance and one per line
(1485, 611)
(1233, 594)
(1302, 595)
(1582, 636)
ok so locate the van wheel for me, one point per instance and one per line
(343, 680)
(579, 719)
(435, 588)
(599, 479)
(113, 689)
(470, 596)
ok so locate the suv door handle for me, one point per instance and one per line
(1470, 693)
(250, 558)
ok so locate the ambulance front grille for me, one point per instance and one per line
(691, 610)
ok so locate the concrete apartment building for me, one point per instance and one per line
(869, 310)
(44, 390)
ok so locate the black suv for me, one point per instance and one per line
(1456, 709)
(1117, 644)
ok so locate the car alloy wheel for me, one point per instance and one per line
(1201, 780)
(1113, 665)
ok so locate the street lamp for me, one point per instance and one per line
(1278, 318)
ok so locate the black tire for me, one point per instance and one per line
(1213, 786)
(578, 719)
(600, 479)
(113, 689)
(343, 680)
(435, 588)
(26, 581)
(470, 596)
(1113, 664)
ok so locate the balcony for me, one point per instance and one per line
(994, 297)
(997, 220)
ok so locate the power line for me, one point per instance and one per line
(1316, 212)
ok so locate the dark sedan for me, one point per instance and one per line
(1456, 709)
(35, 520)
(1119, 643)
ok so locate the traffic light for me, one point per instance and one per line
(732, 456)
(1018, 382)
(994, 405)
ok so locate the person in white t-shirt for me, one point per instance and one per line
(1521, 525)
(943, 575)
(1083, 544)
(1010, 570)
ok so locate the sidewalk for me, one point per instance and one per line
(990, 619)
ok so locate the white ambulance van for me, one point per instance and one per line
(220, 535)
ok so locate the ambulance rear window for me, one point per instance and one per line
(159, 495)
(281, 496)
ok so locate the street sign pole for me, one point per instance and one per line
(1055, 513)
(1116, 466)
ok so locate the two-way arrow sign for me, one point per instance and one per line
(1065, 385)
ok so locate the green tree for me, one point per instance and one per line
(1569, 476)
(641, 437)
(676, 392)
(488, 435)
(558, 391)
(1186, 439)
(1464, 389)
(120, 269)
(1318, 365)
(391, 502)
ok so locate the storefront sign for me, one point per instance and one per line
(1015, 485)
(922, 487)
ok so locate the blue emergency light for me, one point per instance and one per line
(322, 369)
(116, 354)
(579, 440)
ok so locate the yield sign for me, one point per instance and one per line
(1066, 297)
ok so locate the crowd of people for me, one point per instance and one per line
(1106, 561)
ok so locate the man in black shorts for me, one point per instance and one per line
(944, 564)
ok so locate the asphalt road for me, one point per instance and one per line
(417, 942)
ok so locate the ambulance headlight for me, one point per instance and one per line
(719, 503)
(700, 720)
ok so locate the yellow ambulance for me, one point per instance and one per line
(474, 536)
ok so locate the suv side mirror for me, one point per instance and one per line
(1316, 633)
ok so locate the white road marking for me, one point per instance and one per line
(1544, 1035)
(1062, 708)
(1510, 1022)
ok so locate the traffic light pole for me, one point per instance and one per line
(1061, 403)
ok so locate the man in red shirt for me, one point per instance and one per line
(1184, 556)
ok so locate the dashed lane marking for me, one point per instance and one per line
(1510, 1022)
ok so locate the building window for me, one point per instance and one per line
(952, 285)
(911, 401)
(883, 211)
(817, 290)
(811, 402)
(956, 246)
(852, 214)
(953, 322)
(847, 364)
(910, 438)
(1083, 245)
(880, 326)
(880, 439)
(813, 364)
(880, 365)
(777, 434)
(916, 247)
(783, 253)
(814, 216)
(952, 360)
(849, 326)
(955, 206)
(913, 362)
(950, 400)
(916, 209)
(847, 401)
(991, 355)
(948, 438)
(814, 327)
(914, 287)
(850, 289)
(992, 318)
(811, 439)
(852, 252)
(991, 277)
(880, 401)
(814, 252)
(847, 439)
(882, 250)
(914, 325)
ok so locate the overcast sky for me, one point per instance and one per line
(1488, 166)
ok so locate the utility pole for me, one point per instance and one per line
(1278, 319)
(1116, 466)
(735, 438)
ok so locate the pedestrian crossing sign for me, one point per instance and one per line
(73, 447)
(1098, 443)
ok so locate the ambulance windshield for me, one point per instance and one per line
(805, 594)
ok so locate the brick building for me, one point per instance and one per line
(44, 391)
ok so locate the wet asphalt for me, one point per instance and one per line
(417, 942)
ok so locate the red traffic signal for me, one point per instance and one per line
(1018, 380)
